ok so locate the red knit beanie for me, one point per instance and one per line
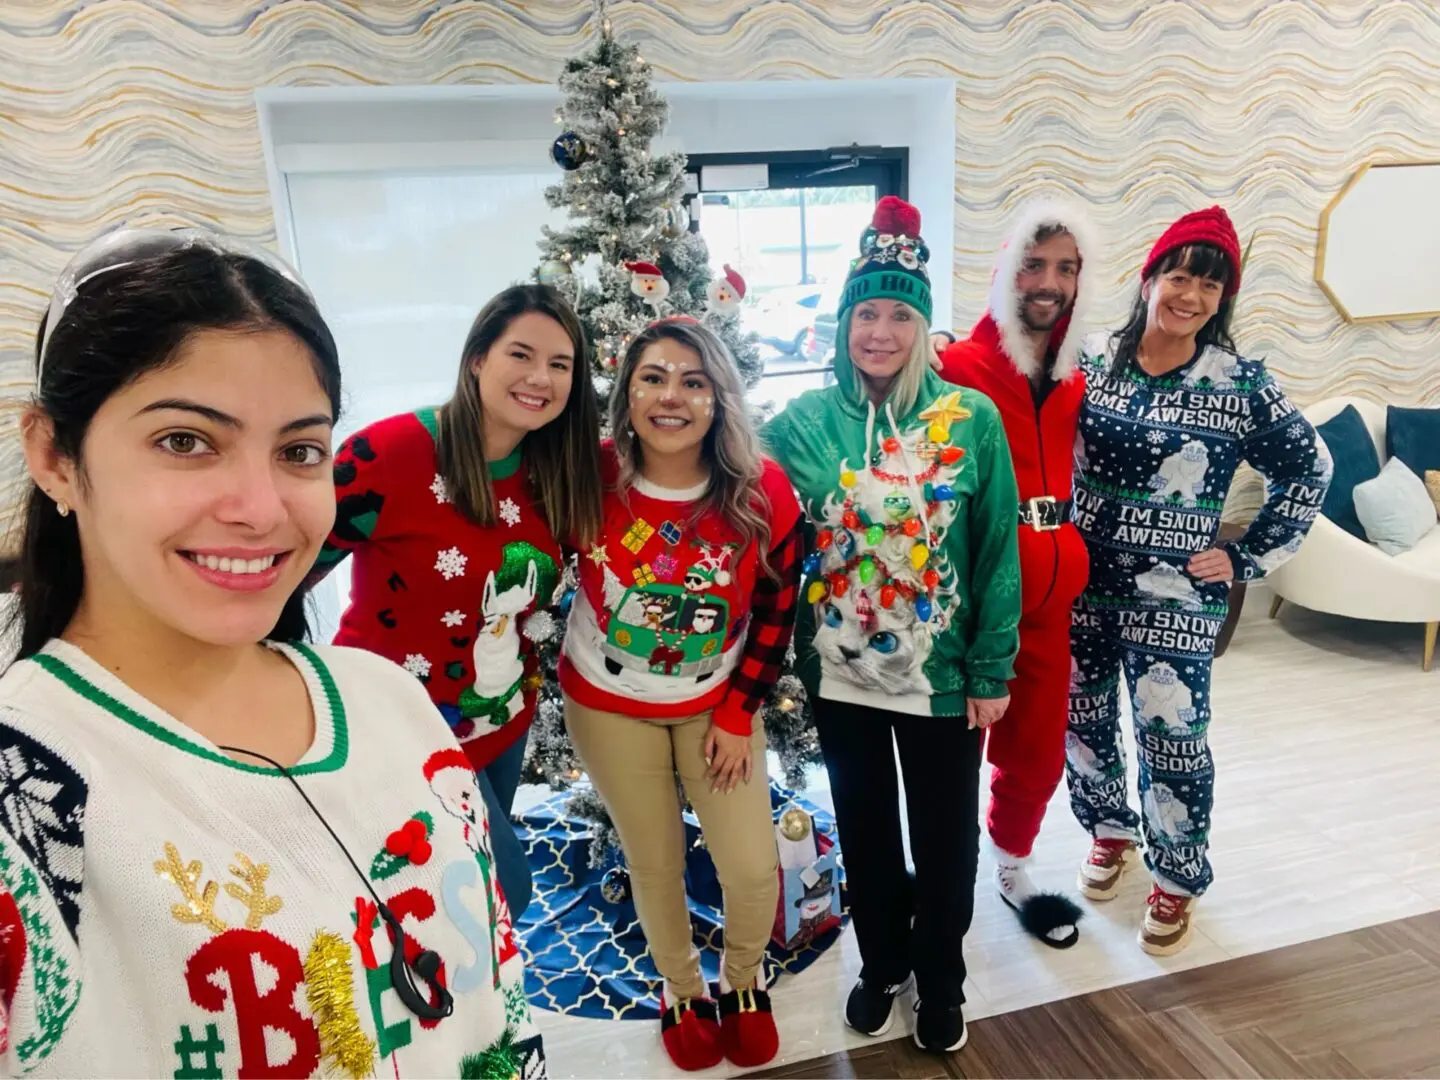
(1210, 226)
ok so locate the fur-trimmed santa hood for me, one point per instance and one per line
(1065, 339)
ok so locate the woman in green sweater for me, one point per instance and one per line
(908, 631)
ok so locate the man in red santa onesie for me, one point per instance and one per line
(1022, 355)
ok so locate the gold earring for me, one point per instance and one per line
(62, 508)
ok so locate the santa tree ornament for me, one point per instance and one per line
(725, 293)
(648, 283)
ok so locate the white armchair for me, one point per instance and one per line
(1339, 574)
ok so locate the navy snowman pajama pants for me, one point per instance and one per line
(1163, 649)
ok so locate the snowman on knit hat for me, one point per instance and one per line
(725, 293)
(452, 778)
(648, 283)
(707, 570)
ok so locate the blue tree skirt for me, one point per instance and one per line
(587, 956)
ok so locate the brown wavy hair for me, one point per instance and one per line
(731, 447)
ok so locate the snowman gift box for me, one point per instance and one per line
(809, 902)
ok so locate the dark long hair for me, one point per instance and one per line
(122, 324)
(561, 459)
(1198, 260)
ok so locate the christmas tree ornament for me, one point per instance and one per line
(887, 596)
(824, 538)
(845, 543)
(923, 609)
(795, 823)
(615, 885)
(569, 151)
(553, 272)
(951, 454)
(725, 293)
(874, 534)
(812, 562)
(648, 283)
(931, 578)
(919, 556)
(867, 571)
(911, 527)
(850, 519)
(815, 593)
(944, 493)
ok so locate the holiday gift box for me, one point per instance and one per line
(809, 871)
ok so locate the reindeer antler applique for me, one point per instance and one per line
(198, 905)
(256, 900)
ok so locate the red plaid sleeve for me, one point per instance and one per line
(772, 624)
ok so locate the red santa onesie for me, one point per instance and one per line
(1039, 399)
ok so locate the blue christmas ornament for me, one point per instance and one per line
(844, 542)
(566, 600)
(812, 562)
(922, 608)
(944, 493)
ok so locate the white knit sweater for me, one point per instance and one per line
(167, 910)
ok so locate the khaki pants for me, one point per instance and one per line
(632, 764)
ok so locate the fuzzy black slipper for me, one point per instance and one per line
(1044, 912)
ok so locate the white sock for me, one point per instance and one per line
(725, 987)
(672, 995)
(1013, 881)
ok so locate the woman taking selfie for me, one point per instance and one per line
(191, 792)
(908, 632)
(1171, 409)
(676, 636)
(451, 516)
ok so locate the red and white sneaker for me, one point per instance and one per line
(1100, 873)
(1169, 922)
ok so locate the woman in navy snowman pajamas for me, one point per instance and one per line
(1171, 409)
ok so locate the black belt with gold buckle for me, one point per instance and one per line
(1045, 513)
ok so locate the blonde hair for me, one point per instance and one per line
(559, 458)
(731, 447)
(906, 387)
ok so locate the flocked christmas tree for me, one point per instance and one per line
(626, 257)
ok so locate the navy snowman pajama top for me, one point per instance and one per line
(1155, 457)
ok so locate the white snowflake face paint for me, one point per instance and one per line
(671, 399)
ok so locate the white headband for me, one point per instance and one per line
(127, 245)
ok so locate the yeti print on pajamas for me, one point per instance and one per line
(1216, 366)
(1165, 582)
(1160, 695)
(1182, 474)
(1082, 759)
(1274, 558)
(1167, 815)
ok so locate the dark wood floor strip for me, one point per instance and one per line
(1363, 1004)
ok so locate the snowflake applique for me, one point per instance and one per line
(1125, 559)
(1189, 669)
(453, 618)
(439, 490)
(510, 512)
(1155, 436)
(417, 665)
(450, 563)
(1296, 430)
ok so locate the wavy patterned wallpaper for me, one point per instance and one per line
(1145, 109)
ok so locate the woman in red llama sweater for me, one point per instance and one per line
(677, 633)
(451, 516)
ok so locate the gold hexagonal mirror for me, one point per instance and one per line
(1379, 239)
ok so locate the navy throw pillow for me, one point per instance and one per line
(1413, 436)
(1355, 462)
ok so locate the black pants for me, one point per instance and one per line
(940, 762)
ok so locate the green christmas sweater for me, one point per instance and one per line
(911, 595)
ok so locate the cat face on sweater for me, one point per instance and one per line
(872, 646)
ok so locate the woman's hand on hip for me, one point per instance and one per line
(938, 344)
(1212, 566)
(983, 711)
(729, 758)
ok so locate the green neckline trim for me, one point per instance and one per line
(503, 469)
(340, 732)
(430, 421)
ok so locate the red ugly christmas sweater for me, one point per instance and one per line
(450, 601)
(674, 615)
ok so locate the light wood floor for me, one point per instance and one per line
(1360, 1004)
(1326, 738)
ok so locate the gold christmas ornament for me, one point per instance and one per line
(794, 824)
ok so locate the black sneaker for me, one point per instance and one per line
(869, 1009)
(940, 1030)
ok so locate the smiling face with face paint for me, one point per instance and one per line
(672, 402)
